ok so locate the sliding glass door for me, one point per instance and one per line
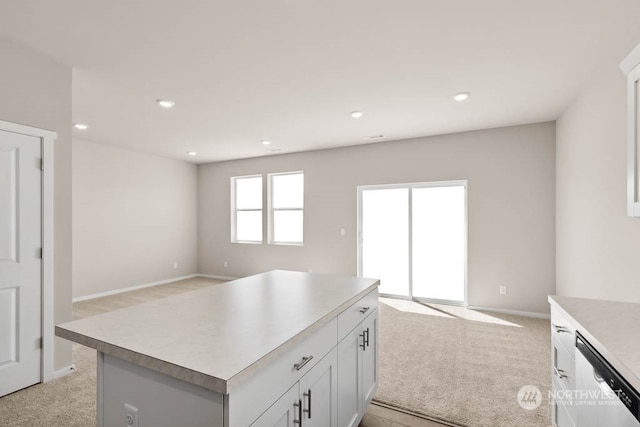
(385, 220)
(413, 237)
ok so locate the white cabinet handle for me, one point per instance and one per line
(304, 361)
(559, 373)
(561, 329)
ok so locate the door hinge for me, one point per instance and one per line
(40, 255)
(42, 164)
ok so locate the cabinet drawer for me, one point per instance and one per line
(562, 417)
(563, 368)
(562, 331)
(564, 411)
(355, 314)
(247, 402)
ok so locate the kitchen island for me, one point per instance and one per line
(278, 348)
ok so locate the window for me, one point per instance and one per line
(285, 214)
(246, 209)
(286, 208)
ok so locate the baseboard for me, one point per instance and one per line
(506, 311)
(213, 276)
(64, 371)
(133, 288)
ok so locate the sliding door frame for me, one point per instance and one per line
(411, 186)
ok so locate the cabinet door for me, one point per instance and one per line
(633, 144)
(370, 358)
(318, 391)
(349, 373)
(283, 413)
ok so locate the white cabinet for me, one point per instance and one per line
(563, 336)
(318, 394)
(370, 358)
(311, 402)
(631, 68)
(357, 371)
(283, 413)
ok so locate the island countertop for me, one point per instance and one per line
(219, 336)
(611, 327)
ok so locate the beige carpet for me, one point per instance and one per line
(437, 364)
(463, 366)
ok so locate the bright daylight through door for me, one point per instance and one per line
(414, 239)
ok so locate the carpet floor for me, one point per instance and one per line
(446, 363)
(463, 366)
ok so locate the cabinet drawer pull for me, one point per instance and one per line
(366, 337)
(304, 361)
(363, 310)
(308, 396)
(559, 373)
(561, 329)
(299, 406)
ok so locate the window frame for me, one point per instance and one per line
(235, 210)
(271, 210)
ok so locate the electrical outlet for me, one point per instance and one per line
(175, 265)
(226, 264)
(503, 290)
(130, 415)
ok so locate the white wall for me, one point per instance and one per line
(511, 208)
(134, 215)
(597, 244)
(36, 91)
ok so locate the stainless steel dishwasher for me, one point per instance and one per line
(602, 396)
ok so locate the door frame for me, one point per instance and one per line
(47, 139)
(411, 185)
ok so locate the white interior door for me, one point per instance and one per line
(20, 261)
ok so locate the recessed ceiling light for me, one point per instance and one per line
(357, 114)
(461, 96)
(165, 103)
(192, 153)
(264, 142)
(81, 126)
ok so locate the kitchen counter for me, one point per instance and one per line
(218, 337)
(611, 327)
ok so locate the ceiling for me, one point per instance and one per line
(291, 71)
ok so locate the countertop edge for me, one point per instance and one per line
(209, 382)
